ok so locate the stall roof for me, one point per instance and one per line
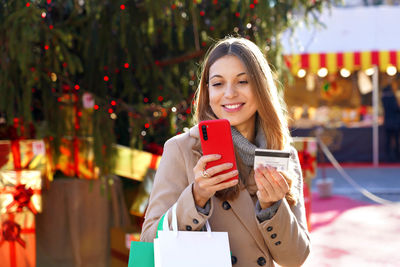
(353, 38)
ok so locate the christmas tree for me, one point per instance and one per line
(120, 71)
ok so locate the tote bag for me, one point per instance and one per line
(186, 248)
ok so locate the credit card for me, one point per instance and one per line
(277, 159)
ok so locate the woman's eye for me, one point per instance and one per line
(216, 84)
(243, 82)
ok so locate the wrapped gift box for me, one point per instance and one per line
(20, 191)
(133, 163)
(76, 158)
(25, 154)
(307, 151)
(18, 240)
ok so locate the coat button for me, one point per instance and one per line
(226, 205)
(195, 221)
(269, 228)
(278, 243)
(233, 260)
(188, 228)
(261, 261)
(273, 236)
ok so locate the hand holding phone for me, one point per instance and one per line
(216, 138)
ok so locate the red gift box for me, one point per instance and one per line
(18, 240)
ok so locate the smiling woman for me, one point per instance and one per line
(262, 211)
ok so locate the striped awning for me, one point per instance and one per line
(351, 61)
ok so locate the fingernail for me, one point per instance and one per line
(218, 156)
(229, 164)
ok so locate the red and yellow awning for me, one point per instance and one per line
(351, 61)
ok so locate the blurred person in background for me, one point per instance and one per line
(391, 119)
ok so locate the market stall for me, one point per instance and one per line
(340, 69)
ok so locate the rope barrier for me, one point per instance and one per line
(347, 177)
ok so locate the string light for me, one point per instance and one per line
(126, 65)
(143, 133)
(122, 7)
(77, 87)
(391, 70)
(113, 103)
(147, 125)
(370, 71)
(301, 73)
(106, 79)
(322, 72)
(96, 107)
(345, 73)
(43, 14)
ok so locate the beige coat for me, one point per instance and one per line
(283, 239)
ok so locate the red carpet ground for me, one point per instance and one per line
(346, 232)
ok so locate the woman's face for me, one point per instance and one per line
(231, 93)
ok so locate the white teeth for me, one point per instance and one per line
(232, 106)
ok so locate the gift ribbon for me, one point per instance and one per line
(153, 162)
(22, 195)
(15, 150)
(11, 232)
(306, 159)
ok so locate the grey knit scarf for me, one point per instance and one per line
(245, 148)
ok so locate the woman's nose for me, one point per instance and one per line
(230, 90)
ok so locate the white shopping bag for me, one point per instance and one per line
(195, 249)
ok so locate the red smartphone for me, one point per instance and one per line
(216, 138)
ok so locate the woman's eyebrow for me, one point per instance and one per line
(219, 76)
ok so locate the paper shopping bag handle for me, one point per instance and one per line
(175, 222)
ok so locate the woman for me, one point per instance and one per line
(263, 212)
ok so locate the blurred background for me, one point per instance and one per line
(91, 90)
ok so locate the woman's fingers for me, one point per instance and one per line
(270, 183)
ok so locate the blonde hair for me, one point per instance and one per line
(271, 107)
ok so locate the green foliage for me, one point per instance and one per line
(48, 47)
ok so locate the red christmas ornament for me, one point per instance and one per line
(256, 2)
(147, 125)
(113, 103)
(188, 111)
(28, 4)
(46, 47)
(106, 79)
(211, 28)
(110, 110)
(173, 6)
(77, 87)
(96, 107)
(64, 64)
(122, 7)
(237, 14)
(126, 65)
(48, 1)
(202, 13)
(203, 43)
(215, 2)
(160, 98)
(51, 27)
(79, 113)
(146, 100)
(251, 5)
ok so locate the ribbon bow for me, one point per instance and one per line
(11, 232)
(22, 198)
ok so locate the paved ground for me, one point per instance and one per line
(382, 181)
(349, 229)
